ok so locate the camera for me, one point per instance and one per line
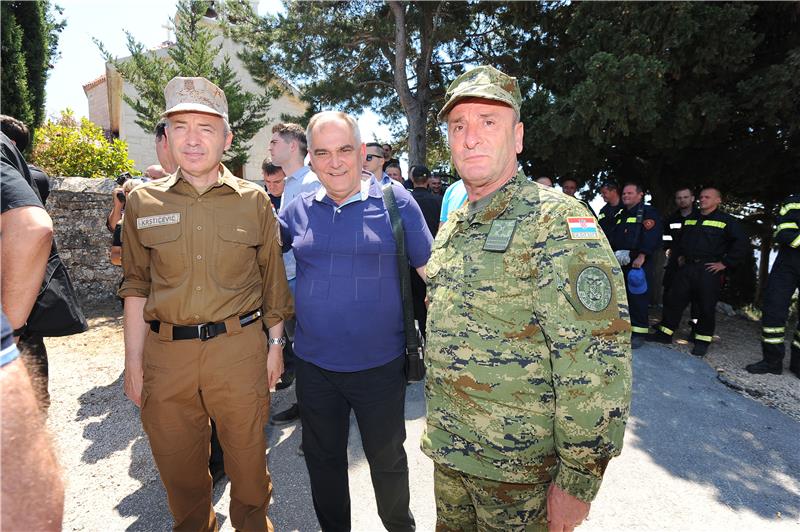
(121, 197)
(121, 178)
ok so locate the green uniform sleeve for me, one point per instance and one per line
(583, 313)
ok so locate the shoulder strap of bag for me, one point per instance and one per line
(402, 267)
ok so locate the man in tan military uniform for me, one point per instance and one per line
(529, 376)
(203, 272)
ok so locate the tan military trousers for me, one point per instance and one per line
(185, 382)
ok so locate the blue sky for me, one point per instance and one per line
(107, 20)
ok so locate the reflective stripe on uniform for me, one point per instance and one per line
(630, 220)
(768, 330)
(785, 225)
(703, 337)
(690, 222)
(767, 340)
(602, 215)
(715, 223)
(643, 330)
(675, 225)
(668, 332)
(796, 242)
(796, 343)
(667, 238)
(789, 207)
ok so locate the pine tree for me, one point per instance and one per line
(193, 54)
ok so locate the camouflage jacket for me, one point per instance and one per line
(529, 357)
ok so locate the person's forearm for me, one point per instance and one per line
(27, 237)
(114, 217)
(276, 331)
(135, 332)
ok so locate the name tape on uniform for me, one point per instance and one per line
(158, 219)
(583, 228)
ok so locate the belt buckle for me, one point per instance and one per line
(204, 332)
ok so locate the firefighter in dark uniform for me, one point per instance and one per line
(784, 279)
(673, 227)
(607, 216)
(712, 241)
(636, 236)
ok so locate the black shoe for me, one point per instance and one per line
(700, 349)
(637, 341)
(286, 380)
(764, 366)
(659, 337)
(287, 416)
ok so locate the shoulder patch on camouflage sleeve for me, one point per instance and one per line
(592, 287)
(583, 228)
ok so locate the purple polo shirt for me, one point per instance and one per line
(347, 297)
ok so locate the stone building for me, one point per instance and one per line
(108, 110)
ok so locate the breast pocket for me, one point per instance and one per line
(499, 293)
(235, 254)
(167, 252)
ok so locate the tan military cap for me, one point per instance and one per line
(483, 82)
(195, 94)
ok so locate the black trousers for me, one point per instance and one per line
(693, 283)
(639, 303)
(784, 279)
(377, 397)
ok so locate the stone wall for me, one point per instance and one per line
(78, 207)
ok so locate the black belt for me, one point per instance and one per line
(697, 260)
(204, 331)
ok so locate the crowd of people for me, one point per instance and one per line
(529, 302)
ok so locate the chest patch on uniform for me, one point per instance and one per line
(648, 224)
(593, 288)
(158, 219)
(582, 228)
(500, 235)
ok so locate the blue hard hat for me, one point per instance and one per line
(637, 281)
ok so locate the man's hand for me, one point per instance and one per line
(134, 378)
(564, 512)
(274, 365)
(714, 267)
(639, 261)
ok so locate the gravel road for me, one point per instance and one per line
(698, 454)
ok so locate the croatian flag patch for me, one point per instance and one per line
(583, 228)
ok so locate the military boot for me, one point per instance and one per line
(765, 366)
(700, 349)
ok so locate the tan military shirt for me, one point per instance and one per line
(204, 257)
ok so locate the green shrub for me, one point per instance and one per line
(68, 147)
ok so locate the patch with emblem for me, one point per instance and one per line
(158, 219)
(583, 228)
(500, 235)
(593, 288)
(648, 224)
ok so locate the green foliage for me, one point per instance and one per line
(343, 56)
(68, 147)
(193, 54)
(29, 47)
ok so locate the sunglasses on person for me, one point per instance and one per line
(371, 156)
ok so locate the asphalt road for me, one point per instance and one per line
(697, 456)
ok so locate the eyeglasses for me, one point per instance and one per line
(371, 156)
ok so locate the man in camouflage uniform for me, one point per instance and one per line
(529, 376)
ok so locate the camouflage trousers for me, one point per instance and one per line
(465, 503)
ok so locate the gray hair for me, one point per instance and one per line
(332, 116)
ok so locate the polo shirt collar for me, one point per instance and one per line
(225, 178)
(368, 188)
(300, 173)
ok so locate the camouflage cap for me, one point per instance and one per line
(483, 82)
(195, 94)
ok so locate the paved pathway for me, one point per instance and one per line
(697, 457)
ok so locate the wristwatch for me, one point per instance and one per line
(277, 341)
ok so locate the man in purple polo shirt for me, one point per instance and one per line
(349, 338)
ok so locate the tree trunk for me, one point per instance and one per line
(417, 135)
